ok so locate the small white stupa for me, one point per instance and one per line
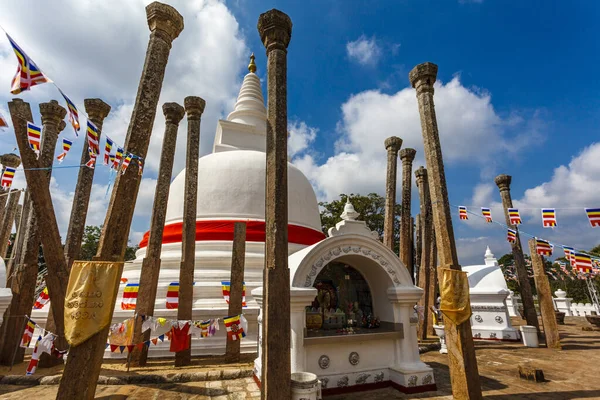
(490, 319)
(5, 293)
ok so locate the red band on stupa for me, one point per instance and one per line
(223, 230)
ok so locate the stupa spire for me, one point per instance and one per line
(252, 65)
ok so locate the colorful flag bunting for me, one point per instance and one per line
(118, 157)
(92, 161)
(234, 327)
(514, 216)
(583, 262)
(569, 255)
(226, 285)
(126, 162)
(130, 293)
(173, 296)
(73, 114)
(543, 247)
(28, 334)
(140, 162)
(487, 213)
(107, 149)
(511, 236)
(594, 216)
(548, 217)
(42, 300)
(93, 137)
(34, 135)
(28, 74)
(7, 177)
(462, 212)
(66, 147)
(3, 123)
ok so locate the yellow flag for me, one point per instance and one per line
(90, 298)
(454, 289)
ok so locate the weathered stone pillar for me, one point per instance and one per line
(151, 262)
(42, 207)
(275, 29)
(392, 145)
(238, 260)
(433, 279)
(97, 110)
(8, 220)
(18, 214)
(194, 107)
(18, 249)
(503, 183)
(81, 372)
(418, 245)
(425, 275)
(464, 373)
(545, 300)
(407, 156)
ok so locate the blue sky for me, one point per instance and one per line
(516, 94)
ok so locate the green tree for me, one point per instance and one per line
(371, 209)
(89, 244)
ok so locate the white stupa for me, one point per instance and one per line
(5, 293)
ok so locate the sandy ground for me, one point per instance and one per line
(570, 374)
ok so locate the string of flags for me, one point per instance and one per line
(548, 216)
(581, 261)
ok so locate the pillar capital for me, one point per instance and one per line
(194, 106)
(10, 160)
(52, 112)
(393, 144)
(423, 76)
(96, 109)
(164, 20)
(173, 112)
(407, 155)
(503, 182)
(275, 29)
(61, 126)
(421, 175)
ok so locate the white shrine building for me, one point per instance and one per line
(350, 272)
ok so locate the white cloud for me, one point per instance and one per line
(301, 137)
(467, 124)
(365, 51)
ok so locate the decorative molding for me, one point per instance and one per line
(499, 319)
(379, 377)
(488, 308)
(478, 318)
(354, 358)
(362, 379)
(412, 381)
(324, 361)
(324, 383)
(343, 382)
(427, 379)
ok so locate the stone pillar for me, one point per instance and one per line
(418, 245)
(503, 183)
(42, 207)
(19, 246)
(18, 214)
(275, 30)
(97, 110)
(433, 279)
(392, 145)
(8, 220)
(194, 107)
(81, 372)
(4, 159)
(407, 156)
(151, 262)
(545, 300)
(464, 373)
(236, 282)
(426, 267)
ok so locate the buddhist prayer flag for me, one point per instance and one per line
(3, 123)
(140, 162)
(130, 293)
(107, 149)
(7, 177)
(487, 213)
(173, 296)
(594, 216)
(548, 217)
(41, 300)
(93, 137)
(583, 262)
(514, 216)
(28, 334)
(111, 159)
(126, 162)
(511, 236)
(28, 74)
(118, 157)
(569, 255)
(73, 114)
(462, 212)
(226, 285)
(234, 327)
(92, 161)
(543, 247)
(34, 135)
(66, 147)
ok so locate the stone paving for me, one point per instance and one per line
(569, 374)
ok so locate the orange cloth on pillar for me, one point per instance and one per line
(454, 290)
